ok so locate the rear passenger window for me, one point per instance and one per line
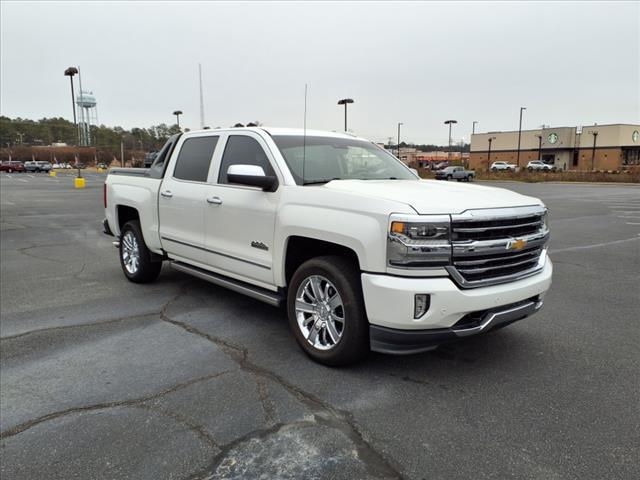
(194, 159)
(243, 150)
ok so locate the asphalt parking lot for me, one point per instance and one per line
(102, 378)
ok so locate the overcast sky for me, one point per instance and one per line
(418, 63)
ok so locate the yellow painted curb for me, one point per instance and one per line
(52, 173)
(79, 182)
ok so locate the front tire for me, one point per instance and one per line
(326, 311)
(135, 257)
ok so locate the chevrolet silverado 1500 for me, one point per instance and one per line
(364, 254)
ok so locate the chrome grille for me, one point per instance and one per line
(496, 228)
(497, 246)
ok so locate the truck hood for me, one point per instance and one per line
(435, 197)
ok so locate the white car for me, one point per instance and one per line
(498, 166)
(364, 254)
(540, 165)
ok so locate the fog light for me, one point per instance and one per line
(421, 304)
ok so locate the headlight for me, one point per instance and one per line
(419, 242)
(545, 220)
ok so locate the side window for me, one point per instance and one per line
(243, 150)
(194, 159)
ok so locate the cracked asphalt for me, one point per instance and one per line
(104, 379)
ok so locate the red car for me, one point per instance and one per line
(12, 166)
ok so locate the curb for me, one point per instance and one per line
(559, 182)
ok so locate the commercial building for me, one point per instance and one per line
(595, 147)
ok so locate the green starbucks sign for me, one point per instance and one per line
(552, 138)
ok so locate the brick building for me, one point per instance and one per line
(596, 147)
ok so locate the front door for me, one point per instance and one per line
(182, 200)
(240, 220)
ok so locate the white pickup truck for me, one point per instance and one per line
(364, 254)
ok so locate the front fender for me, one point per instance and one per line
(364, 233)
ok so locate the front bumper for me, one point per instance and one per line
(389, 302)
(390, 340)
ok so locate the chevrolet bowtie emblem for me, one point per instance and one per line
(518, 244)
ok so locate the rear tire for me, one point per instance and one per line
(337, 294)
(135, 257)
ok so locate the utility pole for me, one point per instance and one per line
(539, 146)
(491, 139)
(519, 135)
(450, 123)
(593, 151)
(399, 124)
(345, 102)
(122, 152)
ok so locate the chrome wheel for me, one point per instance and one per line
(320, 312)
(130, 252)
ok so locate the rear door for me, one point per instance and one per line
(182, 199)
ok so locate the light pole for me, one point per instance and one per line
(519, 135)
(539, 146)
(593, 151)
(177, 113)
(450, 123)
(399, 125)
(70, 72)
(345, 102)
(491, 139)
(473, 128)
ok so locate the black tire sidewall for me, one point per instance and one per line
(354, 343)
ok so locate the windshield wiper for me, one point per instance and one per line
(321, 180)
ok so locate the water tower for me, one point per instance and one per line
(88, 109)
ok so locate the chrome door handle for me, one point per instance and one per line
(166, 194)
(214, 200)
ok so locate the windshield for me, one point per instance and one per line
(330, 158)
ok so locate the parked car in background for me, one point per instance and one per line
(12, 166)
(149, 158)
(440, 165)
(540, 165)
(38, 166)
(56, 165)
(455, 173)
(498, 166)
(102, 165)
(79, 165)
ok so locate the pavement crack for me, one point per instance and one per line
(26, 251)
(101, 406)
(79, 325)
(194, 427)
(322, 411)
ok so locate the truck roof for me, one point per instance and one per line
(281, 131)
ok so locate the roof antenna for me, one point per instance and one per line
(304, 134)
(201, 97)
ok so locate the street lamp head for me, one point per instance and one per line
(448, 122)
(177, 112)
(345, 101)
(71, 71)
